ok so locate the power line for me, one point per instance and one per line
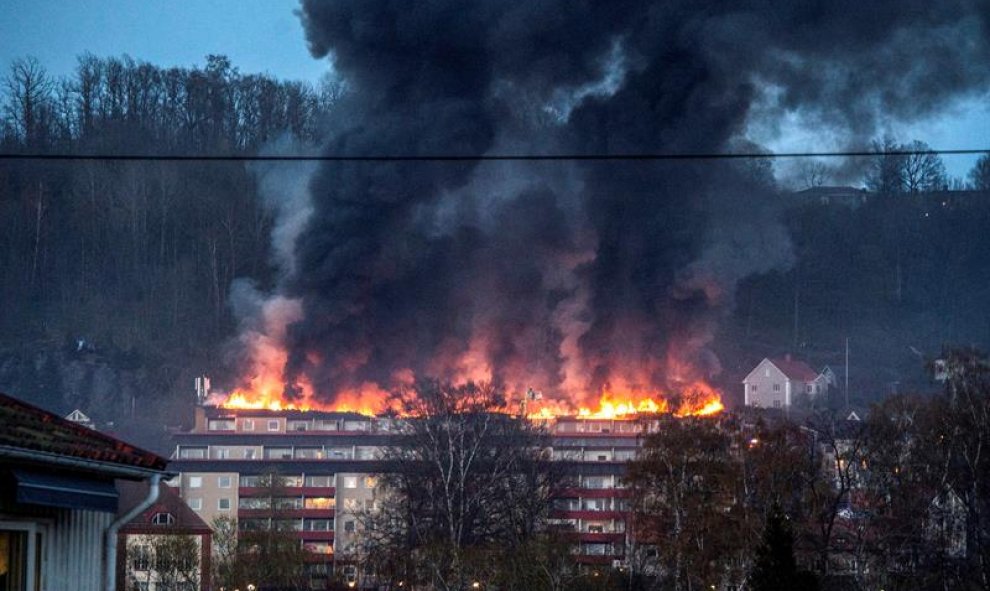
(647, 156)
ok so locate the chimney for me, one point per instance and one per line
(202, 389)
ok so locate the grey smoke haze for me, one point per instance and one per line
(570, 276)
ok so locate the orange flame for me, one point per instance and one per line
(264, 385)
(699, 399)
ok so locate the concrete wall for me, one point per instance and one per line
(205, 499)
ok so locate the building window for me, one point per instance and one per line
(195, 504)
(254, 503)
(221, 425)
(223, 504)
(776, 387)
(278, 453)
(316, 525)
(223, 481)
(317, 547)
(350, 481)
(141, 557)
(221, 453)
(252, 481)
(195, 481)
(163, 519)
(318, 481)
(753, 387)
(811, 388)
(249, 453)
(288, 503)
(319, 503)
(247, 424)
(776, 404)
(192, 453)
(595, 482)
(370, 482)
(273, 425)
(349, 526)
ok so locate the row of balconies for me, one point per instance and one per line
(589, 453)
(261, 425)
(259, 452)
(316, 528)
(274, 424)
(593, 504)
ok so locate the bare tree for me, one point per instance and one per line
(28, 89)
(686, 495)
(922, 170)
(979, 176)
(884, 173)
(905, 168)
(269, 554)
(813, 173)
(468, 485)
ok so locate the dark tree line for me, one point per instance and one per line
(129, 264)
(899, 500)
(900, 272)
(117, 105)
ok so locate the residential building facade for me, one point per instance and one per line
(58, 500)
(328, 464)
(167, 547)
(784, 382)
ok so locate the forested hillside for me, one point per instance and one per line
(114, 276)
(900, 276)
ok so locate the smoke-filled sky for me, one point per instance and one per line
(567, 277)
(573, 277)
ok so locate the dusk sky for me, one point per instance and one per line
(266, 36)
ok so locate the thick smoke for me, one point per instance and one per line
(571, 276)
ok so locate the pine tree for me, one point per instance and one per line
(775, 568)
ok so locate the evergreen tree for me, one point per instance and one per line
(775, 568)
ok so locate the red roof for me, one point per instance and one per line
(27, 427)
(795, 370)
(186, 520)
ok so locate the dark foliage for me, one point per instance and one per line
(775, 568)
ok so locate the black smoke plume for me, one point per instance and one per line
(570, 276)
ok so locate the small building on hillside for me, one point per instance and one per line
(80, 418)
(58, 501)
(784, 382)
(167, 546)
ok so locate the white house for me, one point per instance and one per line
(777, 383)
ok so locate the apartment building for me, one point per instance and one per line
(328, 462)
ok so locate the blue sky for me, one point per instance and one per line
(258, 35)
(266, 36)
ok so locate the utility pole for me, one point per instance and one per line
(847, 373)
(797, 306)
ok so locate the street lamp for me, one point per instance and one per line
(476, 585)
